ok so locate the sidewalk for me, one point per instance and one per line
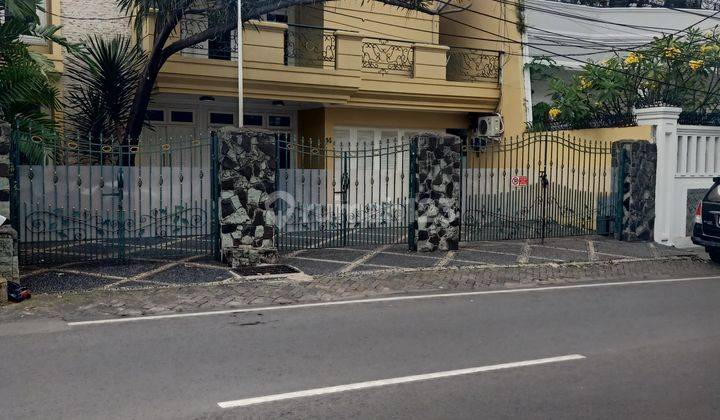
(225, 290)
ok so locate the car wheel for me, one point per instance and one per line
(714, 254)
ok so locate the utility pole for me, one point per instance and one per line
(241, 112)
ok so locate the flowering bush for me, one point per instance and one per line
(677, 71)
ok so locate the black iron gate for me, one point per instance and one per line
(536, 185)
(349, 193)
(82, 199)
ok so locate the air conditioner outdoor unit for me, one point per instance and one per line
(490, 126)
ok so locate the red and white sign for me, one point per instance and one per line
(519, 181)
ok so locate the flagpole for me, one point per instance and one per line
(241, 113)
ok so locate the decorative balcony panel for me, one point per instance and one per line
(307, 46)
(388, 57)
(471, 65)
(222, 47)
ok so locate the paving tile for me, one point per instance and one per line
(405, 261)
(546, 252)
(627, 249)
(186, 274)
(347, 255)
(117, 268)
(485, 257)
(58, 282)
(313, 267)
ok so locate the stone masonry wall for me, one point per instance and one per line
(635, 162)
(247, 184)
(8, 237)
(437, 204)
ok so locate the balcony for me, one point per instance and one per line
(388, 57)
(471, 65)
(309, 46)
(313, 64)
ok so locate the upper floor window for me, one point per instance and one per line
(42, 16)
(219, 47)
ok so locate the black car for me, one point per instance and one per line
(706, 230)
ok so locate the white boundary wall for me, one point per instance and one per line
(688, 159)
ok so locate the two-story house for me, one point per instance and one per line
(346, 69)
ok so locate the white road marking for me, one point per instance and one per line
(385, 299)
(395, 381)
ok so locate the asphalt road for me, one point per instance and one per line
(643, 351)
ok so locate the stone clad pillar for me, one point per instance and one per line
(436, 171)
(247, 186)
(634, 168)
(8, 236)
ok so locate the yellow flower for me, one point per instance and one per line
(632, 58)
(707, 48)
(671, 52)
(554, 112)
(695, 64)
(585, 83)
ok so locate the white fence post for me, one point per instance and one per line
(668, 224)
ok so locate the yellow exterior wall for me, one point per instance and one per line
(266, 77)
(610, 134)
(597, 140)
(477, 30)
(375, 19)
(337, 117)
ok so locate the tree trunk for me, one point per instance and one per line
(142, 100)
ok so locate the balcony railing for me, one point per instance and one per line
(471, 65)
(388, 57)
(328, 49)
(308, 46)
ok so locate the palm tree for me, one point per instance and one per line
(105, 75)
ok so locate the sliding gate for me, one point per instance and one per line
(536, 185)
(80, 200)
(336, 194)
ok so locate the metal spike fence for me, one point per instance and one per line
(535, 186)
(87, 199)
(342, 193)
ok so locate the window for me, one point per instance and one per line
(276, 17)
(42, 18)
(714, 195)
(279, 121)
(220, 46)
(222, 118)
(181, 116)
(253, 120)
(157, 115)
